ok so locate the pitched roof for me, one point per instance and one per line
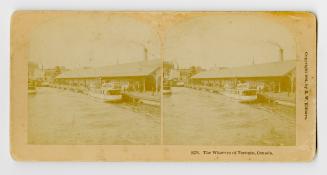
(142, 68)
(275, 69)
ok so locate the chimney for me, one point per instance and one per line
(145, 54)
(281, 52)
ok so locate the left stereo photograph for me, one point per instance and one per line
(92, 80)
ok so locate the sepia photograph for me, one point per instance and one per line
(163, 86)
(229, 80)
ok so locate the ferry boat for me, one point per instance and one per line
(243, 93)
(109, 92)
(247, 95)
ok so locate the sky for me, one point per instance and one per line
(91, 41)
(206, 41)
(227, 41)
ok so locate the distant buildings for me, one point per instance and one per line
(174, 74)
(39, 75)
(181, 75)
(51, 74)
(34, 72)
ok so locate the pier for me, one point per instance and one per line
(284, 98)
(281, 98)
(148, 98)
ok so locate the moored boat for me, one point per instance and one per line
(109, 92)
(242, 95)
(247, 95)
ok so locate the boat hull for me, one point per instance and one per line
(241, 98)
(106, 98)
(244, 99)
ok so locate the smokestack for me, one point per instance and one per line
(281, 54)
(145, 54)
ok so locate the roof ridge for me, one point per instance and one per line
(275, 62)
(256, 70)
(126, 69)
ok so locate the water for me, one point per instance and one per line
(191, 117)
(63, 117)
(204, 118)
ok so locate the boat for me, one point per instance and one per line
(247, 95)
(243, 93)
(109, 92)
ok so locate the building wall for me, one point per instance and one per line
(264, 84)
(151, 82)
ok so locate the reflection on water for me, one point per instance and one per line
(190, 117)
(202, 118)
(63, 117)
